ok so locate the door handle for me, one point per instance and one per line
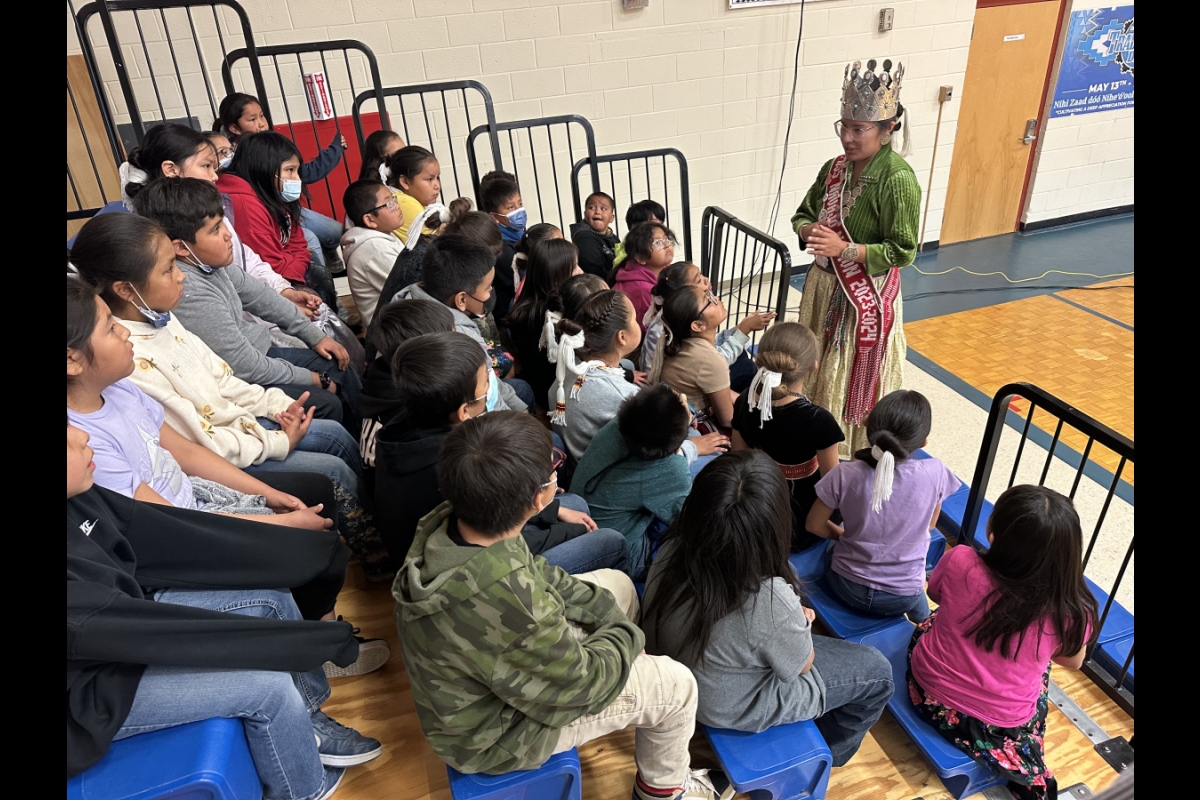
(1030, 131)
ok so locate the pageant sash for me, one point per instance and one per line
(874, 310)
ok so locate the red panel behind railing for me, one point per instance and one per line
(310, 144)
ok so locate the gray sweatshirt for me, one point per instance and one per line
(464, 324)
(212, 308)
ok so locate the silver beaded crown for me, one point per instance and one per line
(871, 96)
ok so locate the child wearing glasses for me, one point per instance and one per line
(510, 660)
(691, 363)
(441, 381)
(369, 248)
(649, 249)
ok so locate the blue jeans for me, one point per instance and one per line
(858, 684)
(875, 601)
(701, 461)
(274, 706)
(348, 383)
(602, 548)
(327, 437)
(523, 390)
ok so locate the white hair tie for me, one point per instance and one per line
(565, 362)
(548, 341)
(656, 363)
(385, 174)
(885, 473)
(759, 396)
(653, 313)
(417, 225)
(128, 174)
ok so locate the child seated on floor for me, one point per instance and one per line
(632, 476)
(219, 294)
(458, 274)
(594, 236)
(888, 503)
(415, 178)
(543, 676)
(140, 660)
(723, 599)
(774, 416)
(640, 212)
(650, 248)
(541, 232)
(441, 381)
(731, 343)
(394, 325)
(368, 247)
(691, 363)
(500, 198)
(979, 667)
(551, 263)
(131, 263)
(376, 149)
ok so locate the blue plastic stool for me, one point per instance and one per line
(961, 774)
(557, 779)
(206, 760)
(1119, 623)
(809, 563)
(842, 621)
(1111, 656)
(788, 762)
(955, 507)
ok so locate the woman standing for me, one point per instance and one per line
(860, 220)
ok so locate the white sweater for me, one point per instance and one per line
(201, 397)
(369, 256)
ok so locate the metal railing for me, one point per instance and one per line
(1090, 443)
(439, 117)
(138, 38)
(93, 147)
(641, 175)
(531, 149)
(749, 270)
(282, 68)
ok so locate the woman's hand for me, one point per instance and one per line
(576, 518)
(758, 321)
(328, 348)
(822, 241)
(711, 443)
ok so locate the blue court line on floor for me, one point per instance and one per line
(1094, 312)
(1015, 421)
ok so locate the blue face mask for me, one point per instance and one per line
(197, 263)
(493, 395)
(226, 161)
(158, 319)
(515, 229)
(291, 190)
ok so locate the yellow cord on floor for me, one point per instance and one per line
(1024, 280)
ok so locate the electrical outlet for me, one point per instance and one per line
(945, 93)
(886, 17)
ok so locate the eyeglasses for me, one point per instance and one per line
(856, 132)
(557, 458)
(662, 244)
(390, 205)
(712, 298)
(224, 152)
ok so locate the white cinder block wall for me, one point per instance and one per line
(1085, 162)
(690, 74)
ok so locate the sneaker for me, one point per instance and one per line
(333, 779)
(340, 746)
(701, 784)
(372, 654)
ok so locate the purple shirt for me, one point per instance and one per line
(124, 435)
(886, 550)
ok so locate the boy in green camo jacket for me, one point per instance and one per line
(512, 660)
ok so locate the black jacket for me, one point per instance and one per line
(406, 489)
(596, 250)
(120, 550)
(504, 285)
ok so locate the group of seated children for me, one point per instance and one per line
(515, 501)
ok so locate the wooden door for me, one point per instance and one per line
(1006, 76)
(92, 178)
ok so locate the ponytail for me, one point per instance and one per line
(897, 426)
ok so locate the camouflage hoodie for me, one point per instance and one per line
(495, 667)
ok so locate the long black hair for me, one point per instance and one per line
(550, 264)
(166, 142)
(373, 155)
(116, 248)
(899, 423)
(81, 317)
(1036, 560)
(408, 162)
(574, 292)
(680, 310)
(601, 317)
(257, 161)
(230, 111)
(733, 534)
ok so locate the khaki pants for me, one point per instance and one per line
(659, 699)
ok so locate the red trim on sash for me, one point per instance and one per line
(798, 472)
(874, 310)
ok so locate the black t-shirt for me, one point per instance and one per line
(793, 436)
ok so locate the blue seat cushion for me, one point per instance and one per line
(1111, 656)
(557, 779)
(791, 761)
(841, 621)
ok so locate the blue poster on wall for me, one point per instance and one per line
(1097, 63)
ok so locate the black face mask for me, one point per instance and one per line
(490, 305)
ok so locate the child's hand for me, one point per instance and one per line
(640, 378)
(711, 443)
(757, 321)
(576, 518)
(809, 614)
(308, 518)
(345, 144)
(296, 409)
(328, 348)
(308, 303)
(295, 426)
(282, 502)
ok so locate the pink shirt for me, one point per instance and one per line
(636, 281)
(949, 665)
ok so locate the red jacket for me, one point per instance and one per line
(257, 229)
(636, 281)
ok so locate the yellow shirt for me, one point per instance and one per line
(411, 208)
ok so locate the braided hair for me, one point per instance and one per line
(601, 317)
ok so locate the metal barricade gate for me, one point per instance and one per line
(749, 270)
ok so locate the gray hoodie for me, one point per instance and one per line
(464, 324)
